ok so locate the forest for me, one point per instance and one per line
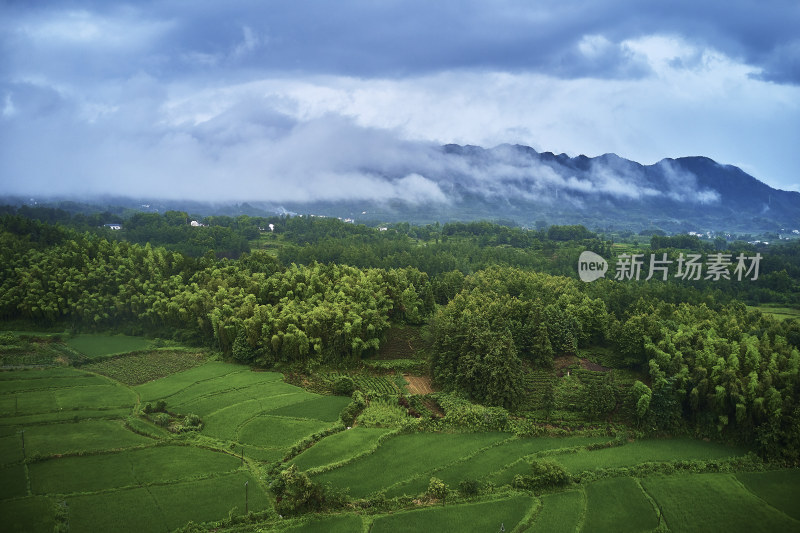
(497, 304)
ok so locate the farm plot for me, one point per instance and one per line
(138, 368)
(224, 423)
(84, 436)
(93, 346)
(11, 449)
(405, 456)
(326, 408)
(713, 502)
(46, 391)
(331, 524)
(145, 466)
(164, 507)
(498, 463)
(33, 514)
(64, 416)
(46, 380)
(339, 447)
(497, 515)
(779, 488)
(371, 384)
(498, 457)
(643, 451)
(167, 386)
(267, 431)
(560, 513)
(618, 504)
(14, 481)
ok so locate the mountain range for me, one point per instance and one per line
(517, 184)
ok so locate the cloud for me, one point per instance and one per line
(264, 96)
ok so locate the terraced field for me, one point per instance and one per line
(73, 453)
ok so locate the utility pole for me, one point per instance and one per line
(245, 498)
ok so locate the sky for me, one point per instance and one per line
(307, 100)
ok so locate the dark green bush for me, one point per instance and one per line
(544, 474)
(468, 487)
(344, 386)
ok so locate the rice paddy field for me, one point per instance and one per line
(76, 454)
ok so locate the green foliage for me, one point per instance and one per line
(469, 487)
(138, 368)
(353, 409)
(296, 493)
(544, 474)
(618, 504)
(599, 398)
(437, 489)
(465, 415)
(383, 413)
(343, 385)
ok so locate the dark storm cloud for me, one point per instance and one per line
(393, 38)
(320, 99)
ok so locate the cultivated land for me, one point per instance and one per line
(77, 453)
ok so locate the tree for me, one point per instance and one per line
(437, 489)
(295, 492)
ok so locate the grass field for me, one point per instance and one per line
(494, 515)
(560, 512)
(329, 524)
(779, 488)
(84, 436)
(54, 391)
(14, 481)
(781, 313)
(165, 507)
(405, 456)
(34, 514)
(492, 463)
(276, 431)
(97, 345)
(109, 478)
(714, 502)
(326, 408)
(619, 505)
(145, 466)
(339, 447)
(643, 451)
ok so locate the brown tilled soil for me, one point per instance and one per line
(418, 384)
(588, 365)
(562, 362)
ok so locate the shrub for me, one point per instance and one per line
(383, 413)
(191, 420)
(296, 493)
(344, 386)
(352, 410)
(544, 474)
(161, 419)
(468, 487)
(437, 489)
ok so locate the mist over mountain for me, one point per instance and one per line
(518, 183)
(421, 183)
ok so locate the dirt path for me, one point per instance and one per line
(418, 384)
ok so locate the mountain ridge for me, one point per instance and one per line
(516, 183)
